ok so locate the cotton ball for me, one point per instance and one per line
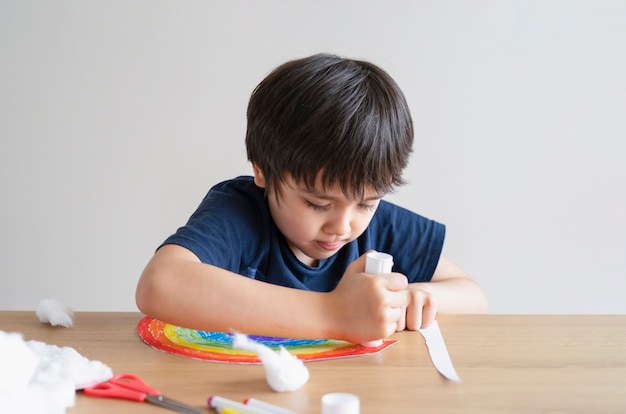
(39, 378)
(284, 371)
(18, 362)
(35, 399)
(55, 394)
(55, 313)
(65, 363)
(18, 392)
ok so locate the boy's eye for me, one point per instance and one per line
(368, 207)
(317, 207)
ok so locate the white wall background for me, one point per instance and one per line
(117, 116)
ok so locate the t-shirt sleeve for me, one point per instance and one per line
(226, 227)
(415, 242)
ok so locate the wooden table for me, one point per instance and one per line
(509, 364)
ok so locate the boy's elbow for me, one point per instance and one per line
(146, 293)
(141, 300)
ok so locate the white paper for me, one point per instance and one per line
(438, 351)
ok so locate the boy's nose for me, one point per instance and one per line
(339, 225)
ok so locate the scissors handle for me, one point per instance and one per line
(109, 390)
(133, 382)
(125, 386)
(131, 387)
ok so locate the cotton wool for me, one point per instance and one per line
(283, 370)
(38, 378)
(17, 361)
(55, 313)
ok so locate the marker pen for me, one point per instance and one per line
(252, 402)
(220, 404)
(229, 410)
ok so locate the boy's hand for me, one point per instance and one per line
(366, 306)
(421, 310)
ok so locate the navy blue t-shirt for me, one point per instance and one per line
(233, 229)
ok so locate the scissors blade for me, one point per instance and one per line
(173, 405)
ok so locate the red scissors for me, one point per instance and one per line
(132, 387)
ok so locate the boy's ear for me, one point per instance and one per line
(259, 178)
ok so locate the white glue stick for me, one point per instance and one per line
(377, 263)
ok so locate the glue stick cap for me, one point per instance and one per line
(340, 403)
(377, 263)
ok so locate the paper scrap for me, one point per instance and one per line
(438, 351)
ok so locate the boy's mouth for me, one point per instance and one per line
(330, 245)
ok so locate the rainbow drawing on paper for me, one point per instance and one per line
(217, 346)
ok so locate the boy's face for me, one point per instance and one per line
(315, 222)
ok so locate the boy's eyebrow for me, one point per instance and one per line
(325, 196)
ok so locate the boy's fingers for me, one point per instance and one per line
(429, 311)
(401, 324)
(395, 281)
(414, 317)
(399, 300)
(422, 310)
(396, 320)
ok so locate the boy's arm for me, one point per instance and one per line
(455, 291)
(177, 288)
(450, 290)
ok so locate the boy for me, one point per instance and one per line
(283, 253)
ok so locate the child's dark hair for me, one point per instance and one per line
(346, 119)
